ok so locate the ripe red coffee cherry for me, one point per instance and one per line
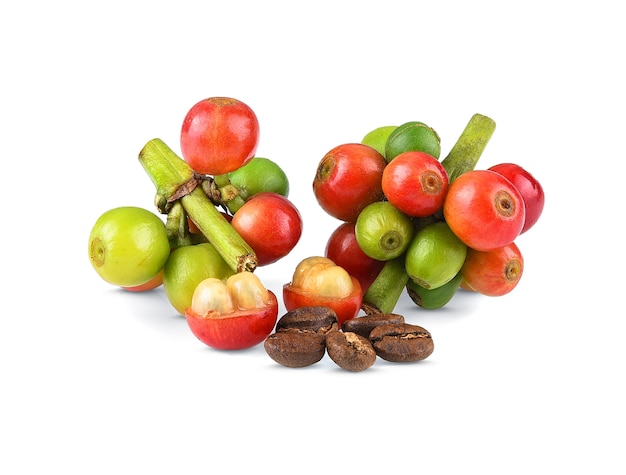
(343, 249)
(271, 224)
(493, 273)
(484, 210)
(219, 135)
(348, 178)
(415, 183)
(528, 186)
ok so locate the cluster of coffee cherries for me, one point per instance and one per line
(226, 211)
(410, 221)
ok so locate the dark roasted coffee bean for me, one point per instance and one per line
(402, 342)
(350, 351)
(295, 349)
(365, 324)
(308, 319)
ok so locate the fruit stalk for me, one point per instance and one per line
(168, 172)
(469, 147)
(223, 192)
(175, 180)
(385, 291)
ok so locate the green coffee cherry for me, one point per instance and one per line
(435, 255)
(412, 136)
(432, 299)
(377, 138)
(382, 231)
(259, 175)
(128, 246)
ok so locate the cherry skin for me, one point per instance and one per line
(237, 331)
(271, 224)
(232, 314)
(343, 249)
(484, 209)
(415, 183)
(528, 186)
(219, 135)
(348, 178)
(493, 273)
(319, 282)
(152, 284)
(128, 246)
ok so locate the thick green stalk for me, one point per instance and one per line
(469, 147)
(388, 286)
(231, 246)
(169, 173)
(175, 180)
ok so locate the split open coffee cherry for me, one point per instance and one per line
(319, 282)
(234, 314)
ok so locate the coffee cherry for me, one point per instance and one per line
(412, 136)
(382, 231)
(434, 256)
(128, 246)
(348, 178)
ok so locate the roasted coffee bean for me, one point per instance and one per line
(350, 351)
(365, 324)
(319, 320)
(299, 338)
(402, 342)
(295, 349)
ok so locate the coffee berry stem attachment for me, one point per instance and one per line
(177, 227)
(385, 291)
(175, 180)
(470, 145)
(225, 193)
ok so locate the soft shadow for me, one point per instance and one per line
(462, 305)
(153, 309)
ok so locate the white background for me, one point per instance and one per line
(97, 380)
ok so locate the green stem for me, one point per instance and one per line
(469, 147)
(229, 194)
(388, 286)
(235, 204)
(175, 180)
(169, 173)
(231, 246)
(177, 226)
